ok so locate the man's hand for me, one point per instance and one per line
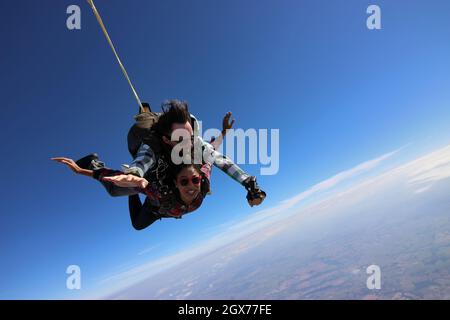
(255, 196)
(256, 201)
(226, 124)
(73, 166)
(127, 180)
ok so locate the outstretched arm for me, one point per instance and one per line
(224, 163)
(255, 195)
(115, 183)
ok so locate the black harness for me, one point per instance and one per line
(162, 181)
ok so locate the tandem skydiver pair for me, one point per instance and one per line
(171, 190)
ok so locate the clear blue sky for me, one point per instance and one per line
(339, 93)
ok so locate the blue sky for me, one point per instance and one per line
(339, 94)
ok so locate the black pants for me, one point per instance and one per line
(141, 215)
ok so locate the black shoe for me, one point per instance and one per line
(86, 162)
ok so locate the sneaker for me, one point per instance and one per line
(86, 162)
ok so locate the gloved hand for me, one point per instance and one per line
(255, 196)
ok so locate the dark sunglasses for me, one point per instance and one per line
(195, 181)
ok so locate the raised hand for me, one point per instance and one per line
(226, 124)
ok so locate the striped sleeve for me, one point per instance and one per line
(144, 161)
(224, 163)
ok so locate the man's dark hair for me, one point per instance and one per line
(174, 111)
